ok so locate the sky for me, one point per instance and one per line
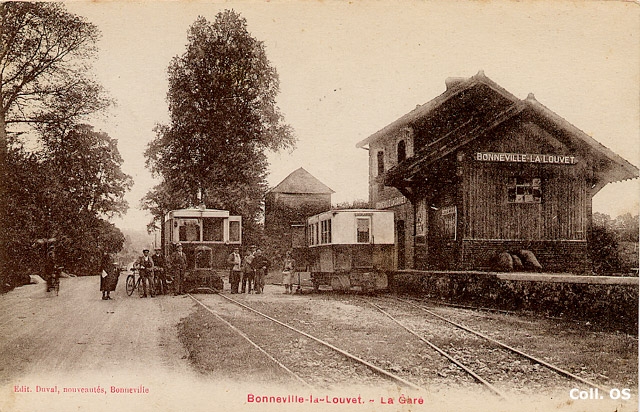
(348, 69)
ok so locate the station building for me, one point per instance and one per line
(477, 172)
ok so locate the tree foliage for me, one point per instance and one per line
(45, 65)
(60, 178)
(605, 242)
(222, 104)
(64, 192)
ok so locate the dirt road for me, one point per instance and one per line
(69, 350)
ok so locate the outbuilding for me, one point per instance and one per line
(290, 202)
(477, 173)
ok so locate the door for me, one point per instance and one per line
(400, 239)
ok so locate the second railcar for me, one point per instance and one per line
(350, 248)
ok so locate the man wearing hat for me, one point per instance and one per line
(178, 267)
(235, 265)
(145, 266)
(158, 270)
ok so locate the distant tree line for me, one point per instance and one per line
(606, 239)
(61, 179)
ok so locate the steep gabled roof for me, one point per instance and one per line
(614, 168)
(301, 182)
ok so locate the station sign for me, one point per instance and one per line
(526, 158)
(394, 201)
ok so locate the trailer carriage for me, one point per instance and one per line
(350, 248)
(207, 237)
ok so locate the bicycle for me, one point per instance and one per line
(132, 283)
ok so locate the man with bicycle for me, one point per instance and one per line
(145, 266)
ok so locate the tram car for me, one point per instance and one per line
(207, 237)
(350, 248)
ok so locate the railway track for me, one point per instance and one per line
(293, 370)
(446, 352)
(328, 352)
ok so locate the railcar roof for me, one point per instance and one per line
(195, 212)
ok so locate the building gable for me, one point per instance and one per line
(302, 182)
(471, 111)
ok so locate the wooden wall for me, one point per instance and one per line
(561, 215)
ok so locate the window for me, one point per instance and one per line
(189, 230)
(524, 190)
(380, 163)
(213, 229)
(402, 151)
(449, 215)
(234, 231)
(363, 229)
(316, 234)
(312, 233)
(325, 227)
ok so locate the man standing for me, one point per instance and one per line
(50, 271)
(247, 273)
(235, 263)
(159, 271)
(145, 265)
(261, 266)
(179, 267)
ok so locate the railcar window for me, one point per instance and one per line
(524, 190)
(312, 232)
(189, 230)
(326, 231)
(234, 231)
(363, 229)
(213, 229)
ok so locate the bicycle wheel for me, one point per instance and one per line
(130, 285)
(155, 287)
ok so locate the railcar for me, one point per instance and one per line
(207, 237)
(350, 248)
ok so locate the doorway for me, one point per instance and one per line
(400, 236)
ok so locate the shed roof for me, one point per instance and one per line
(302, 182)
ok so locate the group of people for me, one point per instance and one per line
(249, 271)
(246, 274)
(148, 267)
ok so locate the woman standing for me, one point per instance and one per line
(108, 276)
(287, 273)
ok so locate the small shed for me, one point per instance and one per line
(295, 198)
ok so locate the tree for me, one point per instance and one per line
(64, 192)
(45, 55)
(45, 91)
(224, 117)
(626, 227)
